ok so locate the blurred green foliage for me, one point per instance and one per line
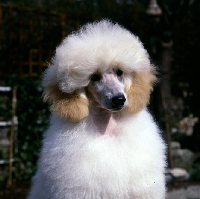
(33, 116)
(195, 172)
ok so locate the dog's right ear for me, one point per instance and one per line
(71, 106)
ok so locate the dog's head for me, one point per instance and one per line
(102, 62)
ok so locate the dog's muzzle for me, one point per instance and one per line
(118, 102)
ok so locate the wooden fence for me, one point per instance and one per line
(28, 38)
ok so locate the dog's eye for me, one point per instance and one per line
(95, 77)
(119, 72)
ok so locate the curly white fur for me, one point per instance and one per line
(95, 47)
(91, 152)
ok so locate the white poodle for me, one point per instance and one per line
(102, 143)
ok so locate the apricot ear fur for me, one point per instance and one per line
(68, 106)
(139, 92)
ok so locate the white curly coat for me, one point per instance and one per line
(89, 150)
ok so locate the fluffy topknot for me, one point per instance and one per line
(95, 47)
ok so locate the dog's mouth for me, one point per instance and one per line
(116, 109)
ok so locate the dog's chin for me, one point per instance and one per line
(114, 109)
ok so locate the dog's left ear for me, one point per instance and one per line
(73, 107)
(138, 93)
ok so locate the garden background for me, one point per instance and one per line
(31, 30)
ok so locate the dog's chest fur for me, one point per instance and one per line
(112, 157)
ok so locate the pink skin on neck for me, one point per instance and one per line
(105, 121)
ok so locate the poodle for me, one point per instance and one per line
(102, 142)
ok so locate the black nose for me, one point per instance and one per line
(118, 101)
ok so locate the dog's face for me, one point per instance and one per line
(108, 89)
(113, 90)
(103, 63)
